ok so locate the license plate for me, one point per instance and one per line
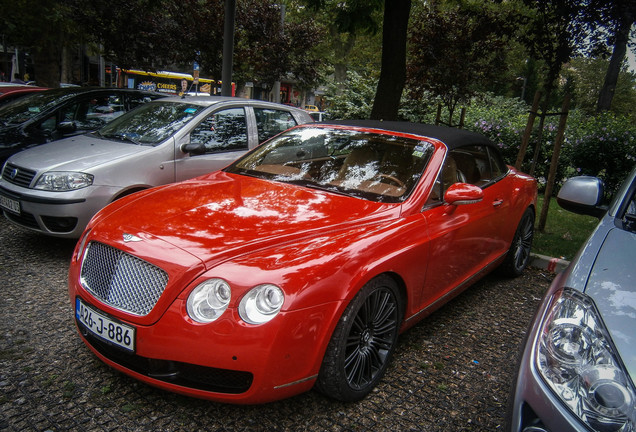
(10, 204)
(105, 327)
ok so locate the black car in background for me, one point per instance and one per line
(59, 113)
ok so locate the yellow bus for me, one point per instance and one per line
(168, 82)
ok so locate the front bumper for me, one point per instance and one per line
(60, 214)
(227, 360)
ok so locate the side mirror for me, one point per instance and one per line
(463, 193)
(193, 148)
(582, 195)
(67, 127)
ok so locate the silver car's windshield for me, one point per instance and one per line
(151, 123)
(28, 107)
(374, 166)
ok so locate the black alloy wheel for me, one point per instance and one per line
(363, 342)
(519, 253)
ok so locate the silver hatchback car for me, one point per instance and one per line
(56, 188)
(578, 367)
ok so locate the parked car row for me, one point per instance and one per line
(235, 250)
(56, 188)
(54, 114)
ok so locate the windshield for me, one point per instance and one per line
(374, 166)
(28, 107)
(151, 123)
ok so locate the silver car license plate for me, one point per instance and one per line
(10, 204)
(105, 327)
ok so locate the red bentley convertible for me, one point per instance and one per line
(298, 265)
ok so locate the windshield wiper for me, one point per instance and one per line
(124, 137)
(318, 186)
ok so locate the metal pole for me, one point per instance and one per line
(228, 48)
(276, 89)
(102, 67)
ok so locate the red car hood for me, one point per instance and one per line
(222, 215)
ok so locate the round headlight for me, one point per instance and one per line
(569, 342)
(261, 304)
(606, 392)
(209, 300)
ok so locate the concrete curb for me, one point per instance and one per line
(553, 265)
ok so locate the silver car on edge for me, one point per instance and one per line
(56, 188)
(578, 367)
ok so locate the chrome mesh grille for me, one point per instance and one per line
(122, 280)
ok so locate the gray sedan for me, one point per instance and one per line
(56, 188)
(578, 367)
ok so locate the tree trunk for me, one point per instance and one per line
(618, 54)
(393, 73)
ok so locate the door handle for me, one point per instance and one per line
(497, 202)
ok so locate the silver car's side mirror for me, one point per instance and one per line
(67, 127)
(193, 148)
(582, 195)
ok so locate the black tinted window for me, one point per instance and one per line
(478, 165)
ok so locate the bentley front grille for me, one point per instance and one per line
(122, 280)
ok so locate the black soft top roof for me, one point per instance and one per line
(452, 137)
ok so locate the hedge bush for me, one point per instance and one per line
(602, 145)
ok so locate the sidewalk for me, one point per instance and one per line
(553, 265)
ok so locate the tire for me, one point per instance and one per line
(519, 253)
(363, 342)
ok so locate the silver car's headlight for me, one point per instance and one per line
(577, 359)
(261, 304)
(63, 181)
(209, 300)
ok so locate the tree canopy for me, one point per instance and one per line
(449, 48)
(474, 51)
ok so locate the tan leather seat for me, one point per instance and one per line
(357, 159)
(450, 173)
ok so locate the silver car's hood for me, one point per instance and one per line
(612, 285)
(74, 154)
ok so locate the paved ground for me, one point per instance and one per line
(452, 372)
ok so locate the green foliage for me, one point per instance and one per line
(419, 110)
(586, 76)
(454, 65)
(603, 145)
(350, 16)
(42, 29)
(354, 99)
(501, 119)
